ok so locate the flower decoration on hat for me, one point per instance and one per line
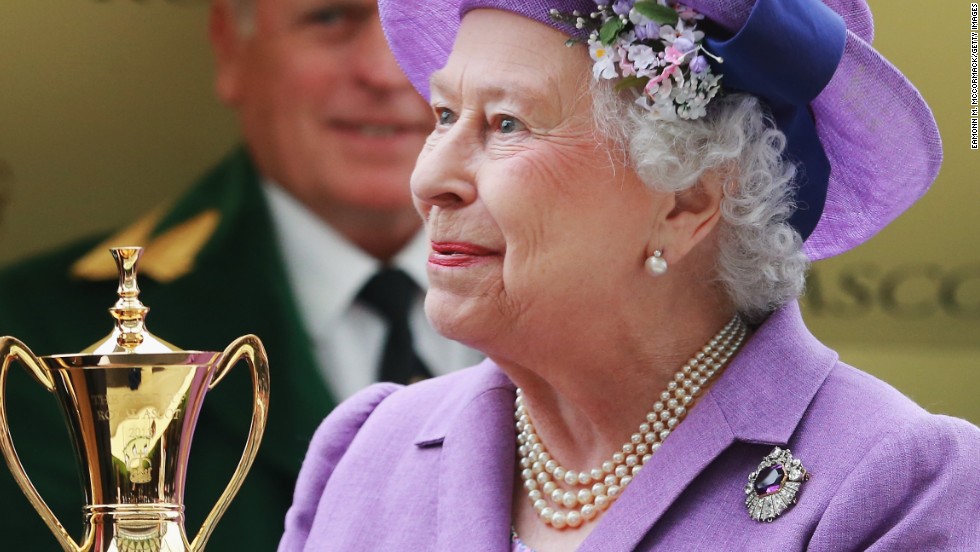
(655, 49)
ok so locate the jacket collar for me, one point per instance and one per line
(760, 399)
(174, 236)
(475, 429)
(769, 385)
(446, 416)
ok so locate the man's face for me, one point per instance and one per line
(325, 110)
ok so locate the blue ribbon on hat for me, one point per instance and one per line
(786, 54)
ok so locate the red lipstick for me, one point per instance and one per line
(454, 254)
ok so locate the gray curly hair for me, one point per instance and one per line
(761, 264)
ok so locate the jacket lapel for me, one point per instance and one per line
(686, 453)
(230, 282)
(761, 398)
(242, 270)
(476, 466)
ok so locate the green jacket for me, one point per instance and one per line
(211, 272)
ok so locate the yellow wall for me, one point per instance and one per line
(106, 109)
(906, 305)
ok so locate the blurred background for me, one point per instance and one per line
(107, 110)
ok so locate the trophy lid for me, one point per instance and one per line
(130, 334)
(130, 343)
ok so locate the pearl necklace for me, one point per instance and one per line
(579, 497)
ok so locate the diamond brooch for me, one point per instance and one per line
(772, 488)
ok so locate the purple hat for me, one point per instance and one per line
(865, 140)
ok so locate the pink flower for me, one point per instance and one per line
(655, 81)
(673, 55)
(687, 13)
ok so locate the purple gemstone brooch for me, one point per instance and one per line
(772, 488)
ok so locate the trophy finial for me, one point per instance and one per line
(129, 311)
(129, 334)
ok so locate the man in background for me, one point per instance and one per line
(306, 236)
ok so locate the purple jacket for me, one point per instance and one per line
(430, 467)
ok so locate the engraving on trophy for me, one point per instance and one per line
(100, 406)
(135, 432)
(137, 460)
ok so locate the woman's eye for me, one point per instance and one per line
(509, 125)
(445, 116)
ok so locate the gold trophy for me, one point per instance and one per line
(131, 402)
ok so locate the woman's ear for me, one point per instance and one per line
(226, 45)
(695, 213)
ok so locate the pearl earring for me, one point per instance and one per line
(656, 265)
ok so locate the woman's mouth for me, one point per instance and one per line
(455, 254)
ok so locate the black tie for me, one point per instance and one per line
(391, 293)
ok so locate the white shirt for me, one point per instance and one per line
(326, 272)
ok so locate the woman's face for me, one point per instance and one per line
(535, 222)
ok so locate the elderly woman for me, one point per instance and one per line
(622, 202)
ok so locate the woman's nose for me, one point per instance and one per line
(443, 175)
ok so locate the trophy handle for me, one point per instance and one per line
(251, 349)
(13, 349)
